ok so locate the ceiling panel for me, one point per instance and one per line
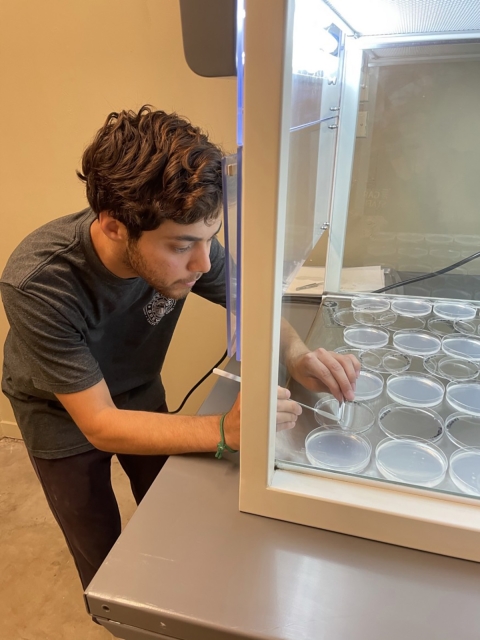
(401, 17)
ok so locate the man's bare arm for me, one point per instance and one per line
(143, 432)
(319, 369)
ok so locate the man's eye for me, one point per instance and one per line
(182, 249)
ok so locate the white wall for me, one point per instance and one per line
(64, 66)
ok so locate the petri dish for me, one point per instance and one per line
(454, 310)
(441, 327)
(450, 367)
(468, 327)
(357, 417)
(411, 307)
(373, 319)
(397, 421)
(337, 450)
(438, 239)
(369, 386)
(464, 470)
(385, 360)
(464, 396)
(416, 343)
(372, 304)
(412, 461)
(464, 347)
(415, 389)
(349, 351)
(463, 430)
(366, 337)
(407, 322)
(344, 318)
(407, 237)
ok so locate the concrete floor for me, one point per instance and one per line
(40, 592)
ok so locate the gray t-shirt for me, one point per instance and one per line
(73, 323)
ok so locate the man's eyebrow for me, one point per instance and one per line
(188, 238)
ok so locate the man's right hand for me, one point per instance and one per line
(287, 414)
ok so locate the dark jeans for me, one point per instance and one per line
(80, 495)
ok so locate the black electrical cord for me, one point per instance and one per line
(425, 276)
(199, 383)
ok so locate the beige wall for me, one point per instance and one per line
(64, 66)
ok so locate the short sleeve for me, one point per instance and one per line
(46, 346)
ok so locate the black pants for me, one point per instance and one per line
(80, 495)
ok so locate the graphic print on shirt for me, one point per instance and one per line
(158, 307)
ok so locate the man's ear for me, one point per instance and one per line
(112, 228)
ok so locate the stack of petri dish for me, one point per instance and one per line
(338, 446)
(337, 450)
(365, 337)
(411, 307)
(463, 429)
(416, 343)
(454, 310)
(415, 389)
(462, 346)
(411, 461)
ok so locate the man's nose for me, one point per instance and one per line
(200, 259)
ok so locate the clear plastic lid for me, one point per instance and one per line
(451, 368)
(438, 239)
(366, 337)
(380, 319)
(415, 389)
(411, 461)
(407, 322)
(464, 347)
(464, 396)
(410, 238)
(463, 430)
(454, 310)
(369, 303)
(385, 360)
(467, 241)
(411, 307)
(344, 318)
(397, 421)
(440, 326)
(416, 343)
(337, 450)
(349, 351)
(369, 386)
(357, 417)
(468, 327)
(464, 470)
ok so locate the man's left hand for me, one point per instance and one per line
(321, 369)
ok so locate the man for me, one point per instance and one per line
(93, 299)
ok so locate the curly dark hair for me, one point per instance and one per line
(147, 167)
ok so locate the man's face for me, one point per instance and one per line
(173, 257)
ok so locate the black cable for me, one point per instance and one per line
(425, 276)
(199, 383)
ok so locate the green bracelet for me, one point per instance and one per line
(222, 445)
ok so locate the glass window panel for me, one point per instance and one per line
(412, 211)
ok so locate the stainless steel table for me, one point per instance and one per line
(190, 566)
